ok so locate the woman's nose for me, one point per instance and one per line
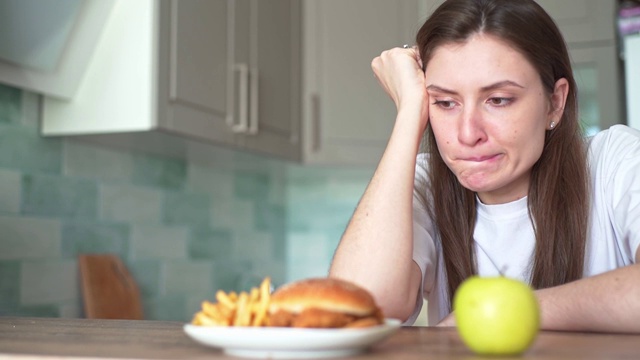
(471, 126)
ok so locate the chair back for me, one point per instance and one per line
(108, 289)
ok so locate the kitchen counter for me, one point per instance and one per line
(45, 338)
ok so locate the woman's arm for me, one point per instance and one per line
(377, 247)
(609, 302)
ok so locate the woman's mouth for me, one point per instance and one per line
(481, 158)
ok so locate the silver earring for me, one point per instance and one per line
(552, 125)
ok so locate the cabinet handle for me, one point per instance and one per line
(253, 114)
(315, 118)
(243, 91)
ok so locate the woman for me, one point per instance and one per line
(506, 183)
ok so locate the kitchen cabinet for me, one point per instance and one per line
(221, 72)
(289, 78)
(347, 116)
(275, 57)
(589, 28)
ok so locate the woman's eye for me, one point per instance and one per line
(500, 101)
(444, 104)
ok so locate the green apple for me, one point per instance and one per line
(496, 315)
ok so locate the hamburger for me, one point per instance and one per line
(323, 303)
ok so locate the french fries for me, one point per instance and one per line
(232, 309)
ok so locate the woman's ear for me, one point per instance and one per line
(558, 101)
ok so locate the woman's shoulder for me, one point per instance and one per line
(616, 133)
(614, 142)
(614, 157)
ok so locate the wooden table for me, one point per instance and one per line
(44, 338)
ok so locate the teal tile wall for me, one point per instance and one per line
(10, 182)
(320, 202)
(9, 284)
(183, 229)
(72, 198)
(88, 238)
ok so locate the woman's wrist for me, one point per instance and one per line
(413, 118)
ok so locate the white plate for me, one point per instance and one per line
(275, 342)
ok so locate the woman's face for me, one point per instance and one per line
(489, 113)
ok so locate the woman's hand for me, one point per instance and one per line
(448, 321)
(399, 72)
(608, 302)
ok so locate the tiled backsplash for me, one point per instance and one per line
(183, 229)
(320, 203)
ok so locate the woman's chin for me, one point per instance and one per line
(476, 185)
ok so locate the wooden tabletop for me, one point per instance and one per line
(45, 338)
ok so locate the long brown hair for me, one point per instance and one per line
(558, 198)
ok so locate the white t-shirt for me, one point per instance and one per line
(504, 236)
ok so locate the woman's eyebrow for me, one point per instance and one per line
(500, 84)
(440, 89)
(493, 86)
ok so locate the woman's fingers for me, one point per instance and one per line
(399, 72)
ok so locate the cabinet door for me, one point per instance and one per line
(268, 41)
(195, 74)
(583, 20)
(347, 116)
(600, 93)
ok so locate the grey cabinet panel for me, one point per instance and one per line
(199, 56)
(273, 49)
(194, 77)
(348, 117)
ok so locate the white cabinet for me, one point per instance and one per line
(221, 72)
(46, 46)
(347, 116)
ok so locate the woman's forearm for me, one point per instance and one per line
(376, 248)
(609, 302)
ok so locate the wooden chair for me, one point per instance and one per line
(108, 289)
